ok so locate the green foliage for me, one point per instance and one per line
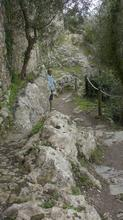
(73, 69)
(60, 40)
(35, 19)
(48, 204)
(51, 201)
(107, 36)
(15, 87)
(88, 31)
(37, 127)
(74, 17)
(75, 190)
(85, 181)
(73, 23)
(82, 180)
(78, 209)
(105, 33)
(96, 156)
(107, 81)
(83, 161)
(105, 42)
(85, 104)
(30, 77)
(67, 206)
(114, 110)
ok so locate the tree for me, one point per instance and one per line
(34, 17)
(107, 37)
(37, 15)
(73, 19)
(107, 44)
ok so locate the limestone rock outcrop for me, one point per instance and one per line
(63, 134)
(49, 184)
(86, 142)
(32, 104)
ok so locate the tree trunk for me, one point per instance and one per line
(27, 54)
(31, 40)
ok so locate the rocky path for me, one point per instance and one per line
(13, 183)
(108, 201)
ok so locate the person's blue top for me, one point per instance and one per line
(51, 83)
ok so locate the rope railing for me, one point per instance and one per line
(112, 96)
(92, 84)
(100, 92)
(103, 92)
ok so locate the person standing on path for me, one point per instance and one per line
(51, 85)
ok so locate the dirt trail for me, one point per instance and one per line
(106, 204)
(64, 104)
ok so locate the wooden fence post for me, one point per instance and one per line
(86, 86)
(99, 103)
(76, 87)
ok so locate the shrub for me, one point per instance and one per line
(37, 127)
(96, 156)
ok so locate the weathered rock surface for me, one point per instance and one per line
(78, 209)
(67, 54)
(44, 191)
(113, 137)
(63, 134)
(32, 105)
(68, 58)
(86, 142)
(49, 167)
(113, 177)
(67, 80)
(70, 81)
